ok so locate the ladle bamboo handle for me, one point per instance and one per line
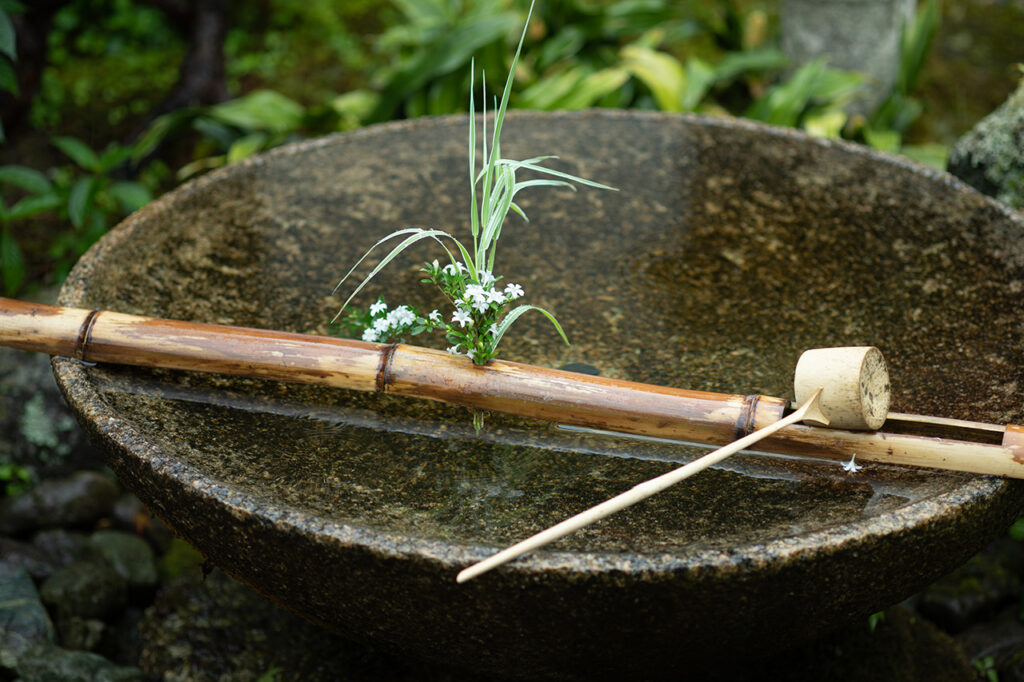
(809, 411)
(537, 392)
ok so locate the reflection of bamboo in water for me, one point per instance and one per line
(536, 392)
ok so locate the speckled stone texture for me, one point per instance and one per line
(729, 249)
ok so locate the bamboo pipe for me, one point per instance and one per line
(537, 392)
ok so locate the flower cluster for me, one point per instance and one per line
(475, 326)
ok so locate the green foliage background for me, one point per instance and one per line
(301, 68)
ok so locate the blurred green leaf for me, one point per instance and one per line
(700, 76)
(735, 64)
(131, 196)
(594, 87)
(827, 123)
(915, 42)
(265, 110)
(813, 82)
(11, 262)
(30, 206)
(80, 201)
(113, 157)
(882, 139)
(8, 44)
(662, 73)
(246, 146)
(26, 178)
(932, 154)
(8, 79)
(78, 152)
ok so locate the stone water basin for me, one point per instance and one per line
(729, 249)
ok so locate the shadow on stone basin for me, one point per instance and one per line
(730, 248)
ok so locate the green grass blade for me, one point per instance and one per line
(519, 312)
(419, 235)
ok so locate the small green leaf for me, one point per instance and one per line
(113, 157)
(78, 152)
(80, 201)
(662, 73)
(11, 262)
(246, 147)
(260, 110)
(8, 43)
(130, 195)
(8, 79)
(30, 206)
(26, 178)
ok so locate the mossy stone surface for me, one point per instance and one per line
(729, 249)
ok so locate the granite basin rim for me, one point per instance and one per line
(954, 507)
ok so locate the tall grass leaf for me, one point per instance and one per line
(28, 179)
(420, 235)
(518, 312)
(78, 152)
(560, 174)
(474, 220)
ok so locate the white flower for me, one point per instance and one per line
(495, 297)
(454, 350)
(486, 277)
(378, 307)
(462, 317)
(435, 316)
(380, 325)
(475, 292)
(470, 353)
(452, 268)
(401, 315)
(852, 466)
(480, 305)
(370, 334)
(493, 329)
(513, 291)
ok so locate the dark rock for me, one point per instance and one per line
(990, 157)
(998, 645)
(122, 643)
(216, 628)
(37, 430)
(24, 622)
(86, 589)
(29, 557)
(901, 646)
(129, 555)
(81, 634)
(78, 500)
(976, 590)
(55, 664)
(62, 546)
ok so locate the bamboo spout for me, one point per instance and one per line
(536, 392)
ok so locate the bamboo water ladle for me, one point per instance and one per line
(537, 392)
